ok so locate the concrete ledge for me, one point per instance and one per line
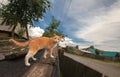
(106, 69)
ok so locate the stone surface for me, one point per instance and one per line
(2, 57)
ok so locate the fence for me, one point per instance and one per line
(74, 66)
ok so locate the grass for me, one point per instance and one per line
(106, 61)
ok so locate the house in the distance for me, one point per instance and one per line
(5, 31)
(103, 52)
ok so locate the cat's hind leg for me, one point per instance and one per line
(33, 56)
(27, 57)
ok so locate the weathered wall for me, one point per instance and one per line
(71, 68)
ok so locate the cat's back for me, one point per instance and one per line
(44, 38)
(40, 39)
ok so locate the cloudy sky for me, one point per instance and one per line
(87, 22)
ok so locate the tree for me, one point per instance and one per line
(23, 12)
(53, 28)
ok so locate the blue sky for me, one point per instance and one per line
(89, 22)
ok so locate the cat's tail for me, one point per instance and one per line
(19, 43)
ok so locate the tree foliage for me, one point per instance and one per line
(70, 49)
(21, 32)
(23, 12)
(53, 28)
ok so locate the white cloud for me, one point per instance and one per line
(35, 32)
(67, 42)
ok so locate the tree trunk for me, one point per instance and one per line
(27, 32)
(13, 31)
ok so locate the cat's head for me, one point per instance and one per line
(57, 38)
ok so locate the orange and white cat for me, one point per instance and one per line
(39, 43)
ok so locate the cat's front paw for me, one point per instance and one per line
(34, 59)
(27, 64)
(52, 56)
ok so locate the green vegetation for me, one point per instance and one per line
(53, 28)
(97, 51)
(21, 32)
(70, 50)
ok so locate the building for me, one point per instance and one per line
(5, 31)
